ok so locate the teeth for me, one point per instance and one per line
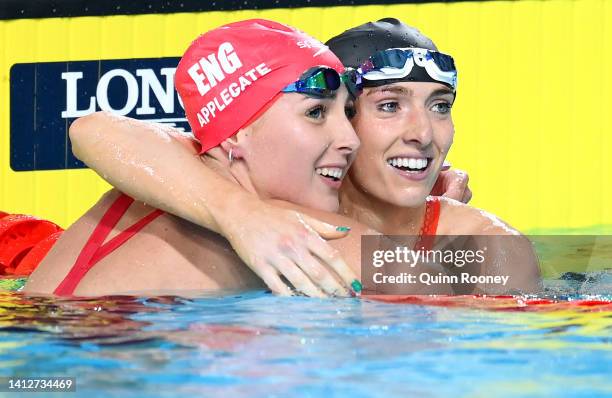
(329, 172)
(411, 163)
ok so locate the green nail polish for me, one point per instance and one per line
(356, 285)
(343, 229)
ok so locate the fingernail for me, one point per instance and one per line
(356, 285)
(343, 229)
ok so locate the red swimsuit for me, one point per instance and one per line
(95, 249)
(427, 234)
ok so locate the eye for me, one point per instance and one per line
(350, 111)
(442, 107)
(316, 112)
(390, 107)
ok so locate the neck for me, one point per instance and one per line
(217, 160)
(380, 215)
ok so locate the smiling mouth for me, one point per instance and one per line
(332, 173)
(411, 165)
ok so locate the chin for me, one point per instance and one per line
(411, 197)
(330, 204)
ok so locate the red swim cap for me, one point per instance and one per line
(229, 74)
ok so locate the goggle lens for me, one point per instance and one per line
(398, 63)
(446, 63)
(323, 81)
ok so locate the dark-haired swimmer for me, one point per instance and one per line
(403, 119)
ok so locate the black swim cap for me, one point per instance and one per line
(357, 44)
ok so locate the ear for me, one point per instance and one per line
(237, 143)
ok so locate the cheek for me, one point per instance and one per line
(444, 136)
(443, 132)
(282, 162)
(367, 167)
(376, 138)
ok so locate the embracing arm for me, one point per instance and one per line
(453, 184)
(159, 165)
(155, 164)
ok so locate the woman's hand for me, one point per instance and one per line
(276, 242)
(452, 183)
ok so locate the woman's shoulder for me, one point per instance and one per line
(457, 218)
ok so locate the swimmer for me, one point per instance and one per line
(403, 119)
(269, 115)
(405, 124)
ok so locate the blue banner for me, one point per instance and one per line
(47, 97)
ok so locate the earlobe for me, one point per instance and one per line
(233, 147)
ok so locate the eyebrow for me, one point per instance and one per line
(443, 91)
(331, 97)
(393, 89)
(404, 91)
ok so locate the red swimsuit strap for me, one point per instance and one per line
(94, 250)
(123, 236)
(432, 216)
(429, 228)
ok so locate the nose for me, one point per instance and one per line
(418, 129)
(345, 138)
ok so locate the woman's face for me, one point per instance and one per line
(300, 149)
(406, 131)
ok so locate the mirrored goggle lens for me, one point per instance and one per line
(446, 63)
(392, 58)
(397, 58)
(319, 81)
(324, 79)
(352, 79)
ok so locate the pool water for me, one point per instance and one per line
(258, 345)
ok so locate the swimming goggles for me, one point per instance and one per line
(323, 81)
(398, 63)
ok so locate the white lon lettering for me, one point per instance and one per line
(132, 91)
(162, 91)
(71, 97)
(150, 82)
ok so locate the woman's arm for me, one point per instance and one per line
(155, 164)
(160, 166)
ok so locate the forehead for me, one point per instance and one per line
(408, 89)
